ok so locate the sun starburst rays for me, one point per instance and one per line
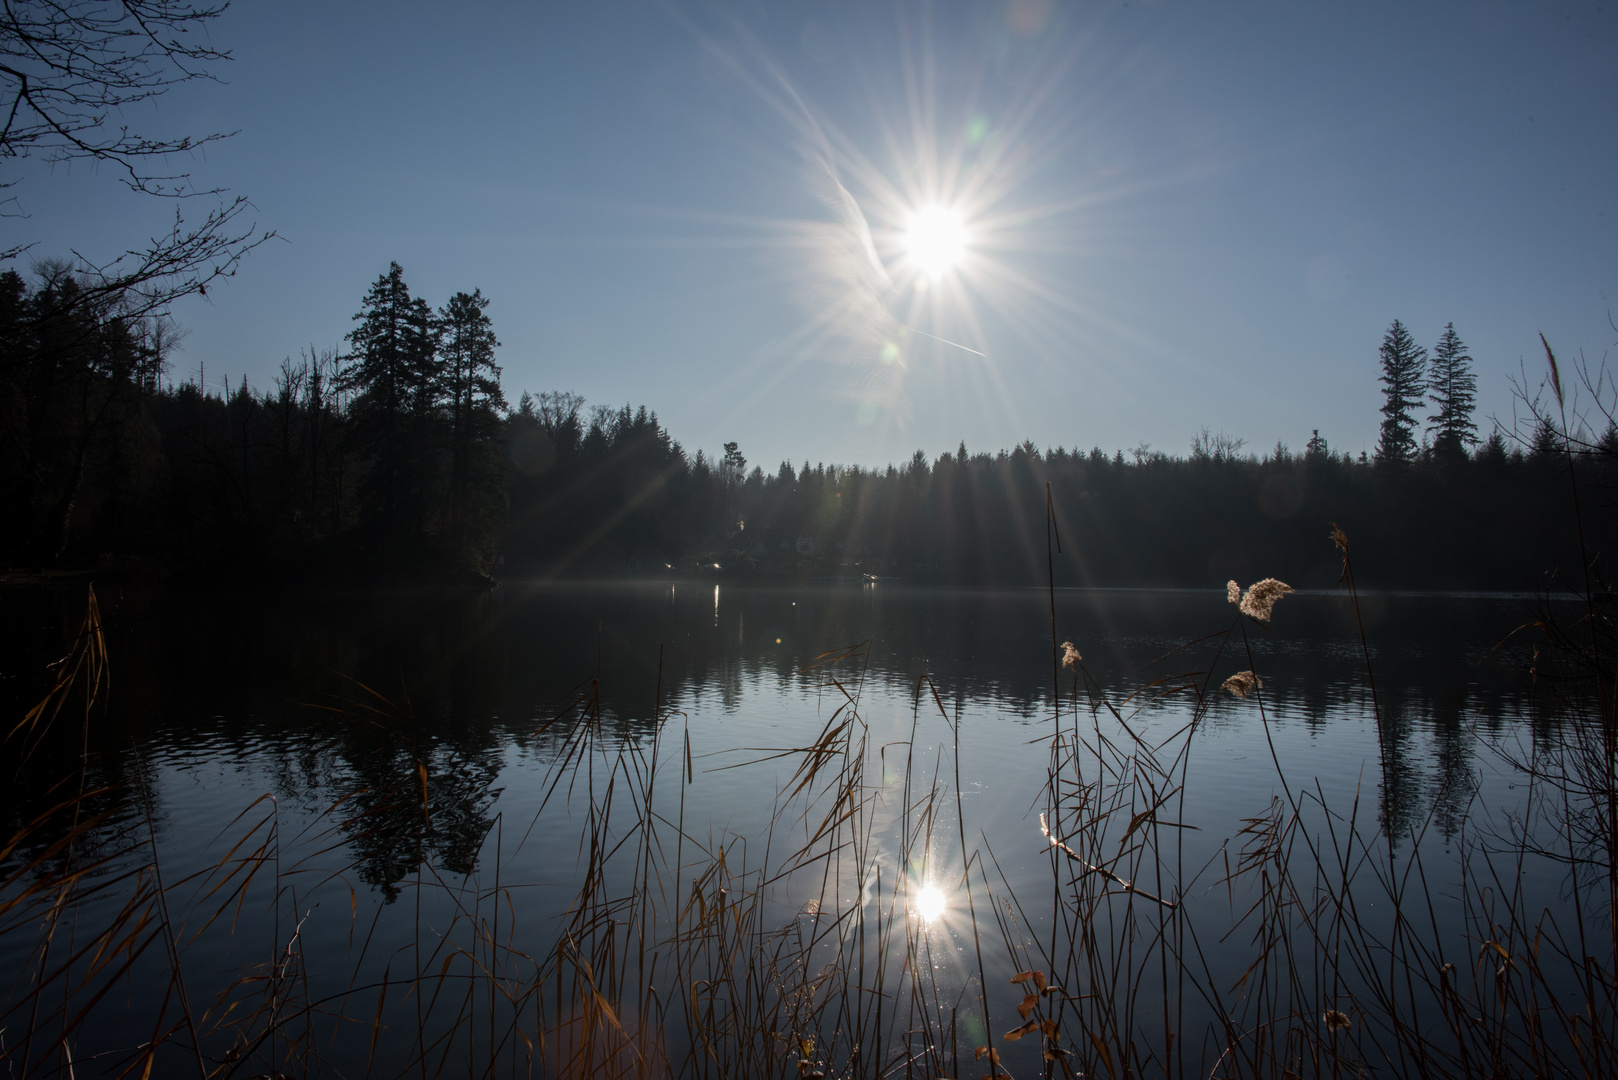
(934, 205)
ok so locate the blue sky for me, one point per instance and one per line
(1178, 215)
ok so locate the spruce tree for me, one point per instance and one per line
(469, 389)
(1404, 364)
(1547, 440)
(1317, 449)
(1452, 389)
(391, 373)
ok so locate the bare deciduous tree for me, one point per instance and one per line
(68, 70)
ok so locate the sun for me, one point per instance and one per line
(929, 903)
(936, 240)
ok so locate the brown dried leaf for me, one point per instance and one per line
(1027, 1006)
(1049, 1029)
(1022, 977)
(993, 1055)
(1016, 1033)
(1101, 1048)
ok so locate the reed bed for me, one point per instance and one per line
(1315, 942)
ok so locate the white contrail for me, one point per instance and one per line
(946, 341)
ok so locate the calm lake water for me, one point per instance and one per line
(218, 699)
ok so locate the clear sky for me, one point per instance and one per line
(1175, 215)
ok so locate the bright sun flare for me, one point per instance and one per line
(935, 239)
(929, 902)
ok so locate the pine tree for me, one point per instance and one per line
(391, 372)
(733, 466)
(1403, 365)
(1547, 440)
(469, 389)
(1452, 389)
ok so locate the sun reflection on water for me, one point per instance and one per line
(930, 903)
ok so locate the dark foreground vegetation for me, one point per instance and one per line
(400, 458)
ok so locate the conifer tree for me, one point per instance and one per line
(73, 371)
(391, 372)
(1547, 440)
(472, 400)
(1452, 389)
(1404, 364)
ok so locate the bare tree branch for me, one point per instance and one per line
(66, 66)
(67, 69)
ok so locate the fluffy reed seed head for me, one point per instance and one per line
(1233, 592)
(1261, 597)
(1242, 683)
(1336, 1020)
(1070, 656)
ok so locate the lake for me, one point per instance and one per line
(520, 765)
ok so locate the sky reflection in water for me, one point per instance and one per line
(230, 697)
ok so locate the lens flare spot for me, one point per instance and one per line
(936, 239)
(929, 903)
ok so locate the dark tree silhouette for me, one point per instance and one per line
(393, 372)
(1547, 440)
(1404, 364)
(84, 349)
(733, 465)
(399, 458)
(1452, 388)
(72, 370)
(473, 404)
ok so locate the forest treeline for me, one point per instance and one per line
(399, 457)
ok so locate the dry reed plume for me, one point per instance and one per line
(1242, 683)
(1260, 598)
